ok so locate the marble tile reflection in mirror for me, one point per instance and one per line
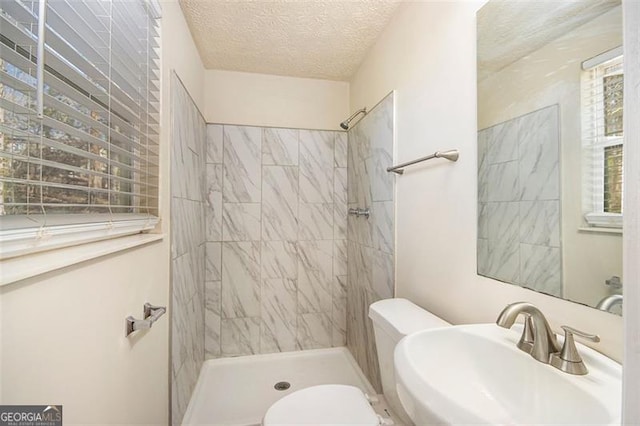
(550, 147)
(519, 203)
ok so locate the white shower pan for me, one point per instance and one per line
(238, 391)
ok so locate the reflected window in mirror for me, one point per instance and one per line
(602, 118)
(537, 66)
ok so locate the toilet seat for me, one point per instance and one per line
(323, 405)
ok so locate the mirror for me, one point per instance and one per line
(550, 171)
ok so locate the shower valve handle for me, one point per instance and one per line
(360, 212)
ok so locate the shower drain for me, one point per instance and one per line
(280, 386)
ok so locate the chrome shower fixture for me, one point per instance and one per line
(345, 123)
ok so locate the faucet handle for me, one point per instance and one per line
(571, 330)
(614, 282)
(526, 340)
(568, 359)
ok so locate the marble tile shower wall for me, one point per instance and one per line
(519, 201)
(371, 242)
(276, 219)
(187, 247)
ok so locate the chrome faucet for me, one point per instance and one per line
(537, 338)
(609, 302)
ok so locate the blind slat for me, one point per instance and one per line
(73, 46)
(53, 82)
(87, 189)
(74, 132)
(62, 166)
(88, 205)
(99, 133)
(601, 97)
(21, 37)
(73, 150)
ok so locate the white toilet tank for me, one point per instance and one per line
(392, 320)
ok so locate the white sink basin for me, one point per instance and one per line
(473, 374)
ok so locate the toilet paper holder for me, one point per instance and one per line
(151, 314)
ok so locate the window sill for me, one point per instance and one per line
(604, 220)
(23, 235)
(596, 230)
(27, 266)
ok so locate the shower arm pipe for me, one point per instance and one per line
(451, 155)
(346, 123)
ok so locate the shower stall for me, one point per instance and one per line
(265, 259)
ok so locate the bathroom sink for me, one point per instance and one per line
(473, 374)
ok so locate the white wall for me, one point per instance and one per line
(179, 54)
(274, 101)
(62, 333)
(549, 76)
(427, 53)
(63, 340)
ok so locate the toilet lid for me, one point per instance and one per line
(322, 405)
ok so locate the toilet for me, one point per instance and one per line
(348, 405)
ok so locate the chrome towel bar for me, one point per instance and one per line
(151, 315)
(451, 155)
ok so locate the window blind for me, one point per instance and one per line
(602, 117)
(92, 157)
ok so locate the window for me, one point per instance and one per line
(78, 136)
(602, 129)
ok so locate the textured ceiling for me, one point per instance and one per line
(313, 39)
(509, 30)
